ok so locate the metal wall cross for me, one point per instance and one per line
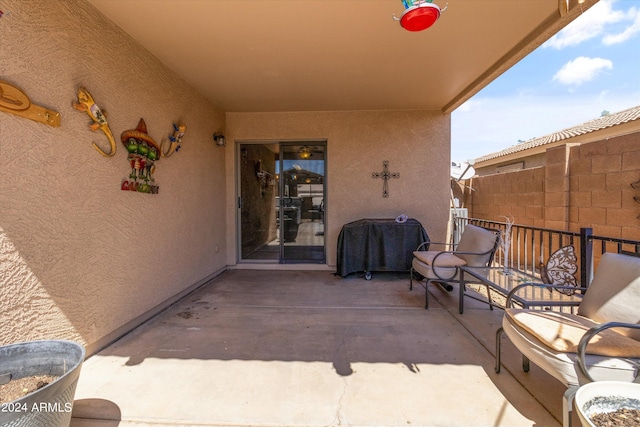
(385, 175)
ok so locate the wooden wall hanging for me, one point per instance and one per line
(15, 101)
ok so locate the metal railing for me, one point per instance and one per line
(532, 246)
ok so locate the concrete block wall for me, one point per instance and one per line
(581, 185)
(517, 194)
(601, 193)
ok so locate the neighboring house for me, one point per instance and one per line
(532, 153)
(584, 176)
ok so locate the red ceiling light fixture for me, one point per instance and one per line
(419, 14)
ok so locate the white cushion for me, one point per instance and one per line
(614, 293)
(444, 260)
(560, 364)
(563, 331)
(448, 273)
(479, 240)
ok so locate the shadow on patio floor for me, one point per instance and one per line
(293, 348)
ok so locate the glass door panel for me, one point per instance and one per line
(302, 202)
(281, 203)
(257, 202)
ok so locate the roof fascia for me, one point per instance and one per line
(543, 32)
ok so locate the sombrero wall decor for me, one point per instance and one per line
(143, 152)
(419, 14)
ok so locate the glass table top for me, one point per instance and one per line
(528, 296)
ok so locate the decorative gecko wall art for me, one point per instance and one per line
(88, 105)
(142, 149)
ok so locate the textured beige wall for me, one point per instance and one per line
(416, 144)
(79, 258)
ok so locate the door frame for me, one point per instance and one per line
(238, 202)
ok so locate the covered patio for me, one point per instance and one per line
(88, 261)
(269, 351)
(179, 327)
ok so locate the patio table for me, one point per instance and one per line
(378, 245)
(496, 281)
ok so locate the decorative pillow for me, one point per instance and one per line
(561, 268)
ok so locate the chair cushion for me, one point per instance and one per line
(479, 240)
(562, 365)
(614, 292)
(444, 260)
(562, 332)
(443, 273)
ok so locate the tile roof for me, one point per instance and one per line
(603, 122)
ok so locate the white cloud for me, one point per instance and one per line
(587, 26)
(633, 15)
(581, 70)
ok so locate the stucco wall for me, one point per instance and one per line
(416, 144)
(79, 258)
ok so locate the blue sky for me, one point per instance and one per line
(591, 65)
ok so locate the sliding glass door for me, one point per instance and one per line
(281, 203)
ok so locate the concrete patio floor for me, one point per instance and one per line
(306, 348)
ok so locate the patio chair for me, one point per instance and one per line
(601, 341)
(476, 248)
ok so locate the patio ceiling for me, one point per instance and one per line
(317, 55)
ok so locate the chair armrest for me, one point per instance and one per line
(432, 243)
(550, 287)
(581, 367)
(473, 253)
(422, 244)
(434, 264)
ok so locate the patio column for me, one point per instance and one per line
(557, 186)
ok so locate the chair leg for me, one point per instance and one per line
(426, 294)
(525, 363)
(499, 333)
(489, 297)
(567, 405)
(411, 279)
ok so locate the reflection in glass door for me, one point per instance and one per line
(282, 202)
(302, 202)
